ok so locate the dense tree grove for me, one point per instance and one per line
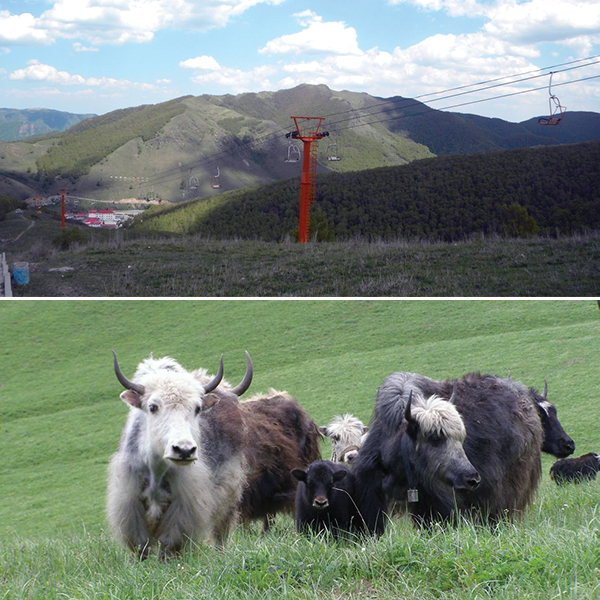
(547, 190)
(8, 204)
(88, 142)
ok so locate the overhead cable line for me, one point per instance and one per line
(176, 172)
(466, 86)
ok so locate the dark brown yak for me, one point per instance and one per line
(281, 437)
(278, 436)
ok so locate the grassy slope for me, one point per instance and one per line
(61, 419)
(60, 398)
(119, 264)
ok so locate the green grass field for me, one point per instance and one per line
(60, 420)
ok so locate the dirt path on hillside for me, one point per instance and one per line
(31, 224)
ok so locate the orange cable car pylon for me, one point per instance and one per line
(307, 133)
(63, 192)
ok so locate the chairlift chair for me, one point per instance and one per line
(556, 110)
(332, 154)
(293, 154)
(216, 181)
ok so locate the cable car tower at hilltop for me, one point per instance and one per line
(307, 131)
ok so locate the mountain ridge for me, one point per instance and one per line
(174, 150)
(18, 124)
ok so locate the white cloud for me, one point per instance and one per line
(528, 21)
(81, 48)
(543, 20)
(236, 80)
(21, 30)
(118, 21)
(207, 63)
(333, 37)
(455, 8)
(37, 71)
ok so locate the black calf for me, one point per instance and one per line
(324, 499)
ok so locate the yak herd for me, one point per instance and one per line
(194, 459)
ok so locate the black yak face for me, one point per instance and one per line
(320, 479)
(556, 440)
(437, 432)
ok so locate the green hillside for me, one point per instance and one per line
(173, 150)
(86, 144)
(515, 193)
(61, 413)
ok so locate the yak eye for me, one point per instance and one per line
(435, 439)
(198, 409)
(153, 408)
(335, 438)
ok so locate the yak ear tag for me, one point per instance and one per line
(412, 495)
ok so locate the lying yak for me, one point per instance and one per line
(347, 434)
(503, 442)
(325, 499)
(576, 470)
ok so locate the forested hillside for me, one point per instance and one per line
(515, 192)
(90, 141)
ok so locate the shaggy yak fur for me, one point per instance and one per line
(556, 440)
(415, 444)
(347, 434)
(179, 471)
(324, 499)
(576, 470)
(281, 437)
(503, 442)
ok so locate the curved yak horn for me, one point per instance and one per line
(245, 383)
(452, 399)
(407, 414)
(545, 392)
(211, 385)
(128, 385)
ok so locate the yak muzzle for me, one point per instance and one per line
(466, 481)
(182, 453)
(565, 448)
(320, 502)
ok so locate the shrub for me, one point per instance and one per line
(65, 239)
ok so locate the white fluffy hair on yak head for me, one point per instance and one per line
(347, 434)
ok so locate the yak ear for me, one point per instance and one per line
(132, 398)
(209, 401)
(299, 474)
(365, 429)
(339, 475)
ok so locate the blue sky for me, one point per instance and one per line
(94, 56)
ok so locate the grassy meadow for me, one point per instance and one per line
(61, 417)
(131, 263)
